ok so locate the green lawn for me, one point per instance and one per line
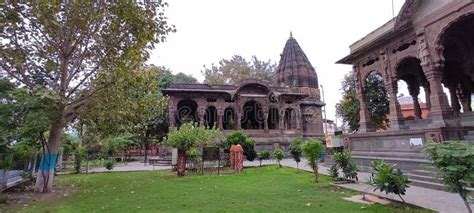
(265, 189)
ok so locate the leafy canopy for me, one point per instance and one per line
(455, 162)
(236, 69)
(295, 149)
(189, 136)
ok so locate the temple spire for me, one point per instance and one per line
(291, 34)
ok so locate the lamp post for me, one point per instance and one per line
(324, 109)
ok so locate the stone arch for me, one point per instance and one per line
(376, 98)
(290, 120)
(253, 86)
(457, 54)
(252, 115)
(210, 117)
(187, 111)
(409, 70)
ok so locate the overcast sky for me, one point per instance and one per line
(209, 30)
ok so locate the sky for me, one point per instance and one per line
(210, 30)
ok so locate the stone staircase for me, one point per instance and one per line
(405, 160)
(414, 165)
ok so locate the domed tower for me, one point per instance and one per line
(294, 70)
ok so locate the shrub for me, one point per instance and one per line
(296, 151)
(278, 155)
(239, 137)
(109, 165)
(312, 150)
(343, 161)
(388, 179)
(333, 172)
(455, 162)
(263, 155)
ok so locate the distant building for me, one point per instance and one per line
(329, 126)
(408, 109)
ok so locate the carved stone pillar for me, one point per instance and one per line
(427, 96)
(414, 91)
(238, 120)
(454, 99)
(282, 119)
(265, 118)
(201, 114)
(298, 119)
(397, 121)
(220, 119)
(440, 109)
(365, 123)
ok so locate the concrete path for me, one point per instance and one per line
(130, 166)
(441, 201)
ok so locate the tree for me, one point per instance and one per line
(312, 151)
(296, 151)
(132, 105)
(278, 155)
(455, 162)
(263, 155)
(377, 100)
(188, 137)
(183, 78)
(236, 69)
(348, 107)
(388, 179)
(61, 47)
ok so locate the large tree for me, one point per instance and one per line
(236, 69)
(61, 47)
(348, 107)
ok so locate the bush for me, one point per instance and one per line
(109, 165)
(388, 179)
(333, 172)
(343, 161)
(312, 151)
(296, 151)
(239, 137)
(455, 162)
(279, 155)
(263, 155)
(3, 198)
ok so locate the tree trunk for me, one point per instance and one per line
(3, 179)
(45, 175)
(181, 164)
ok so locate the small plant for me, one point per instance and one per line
(296, 151)
(109, 165)
(263, 155)
(333, 172)
(343, 161)
(455, 162)
(278, 155)
(388, 179)
(312, 151)
(3, 198)
(239, 137)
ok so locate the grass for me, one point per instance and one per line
(264, 189)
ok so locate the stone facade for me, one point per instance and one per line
(272, 113)
(430, 46)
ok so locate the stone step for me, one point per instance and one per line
(429, 185)
(392, 159)
(431, 179)
(426, 171)
(411, 155)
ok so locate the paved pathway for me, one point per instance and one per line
(441, 201)
(130, 166)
